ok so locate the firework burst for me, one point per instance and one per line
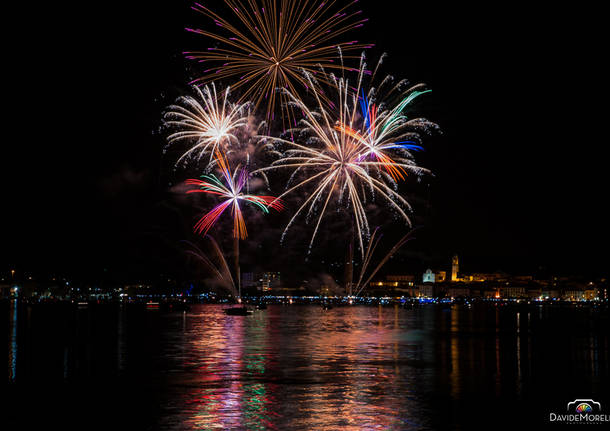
(272, 42)
(380, 131)
(346, 150)
(232, 193)
(209, 121)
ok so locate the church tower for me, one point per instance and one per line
(455, 268)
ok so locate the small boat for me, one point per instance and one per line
(261, 306)
(237, 311)
(150, 305)
(326, 306)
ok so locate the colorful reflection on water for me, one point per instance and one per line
(302, 367)
(287, 367)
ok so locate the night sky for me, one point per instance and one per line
(520, 178)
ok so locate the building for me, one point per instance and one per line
(513, 292)
(534, 293)
(403, 285)
(426, 291)
(428, 276)
(550, 294)
(480, 277)
(457, 291)
(394, 281)
(490, 293)
(269, 280)
(455, 268)
(574, 295)
(440, 276)
(401, 279)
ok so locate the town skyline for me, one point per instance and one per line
(449, 281)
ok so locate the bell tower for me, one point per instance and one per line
(455, 268)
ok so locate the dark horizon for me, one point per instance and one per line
(518, 169)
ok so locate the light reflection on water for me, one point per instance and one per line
(301, 367)
(12, 348)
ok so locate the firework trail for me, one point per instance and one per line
(231, 192)
(370, 251)
(209, 121)
(344, 149)
(271, 43)
(215, 262)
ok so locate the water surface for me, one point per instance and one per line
(299, 367)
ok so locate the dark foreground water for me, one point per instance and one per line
(298, 367)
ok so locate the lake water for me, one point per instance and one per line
(294, 367)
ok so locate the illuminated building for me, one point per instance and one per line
(428, 276)
(401, 279)
(440, 276)
(490, 293)
(479, 277)
(513, 292)
(395, 284)
(269, 280)
(455, 268)
(574, 295)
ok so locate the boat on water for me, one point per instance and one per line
(261, 306)
(326, 306)
(150, 305)
(237, 311)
